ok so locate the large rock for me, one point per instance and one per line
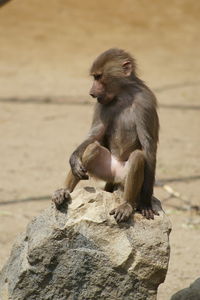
(190, 293)
(81, 253)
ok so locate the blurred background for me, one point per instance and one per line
(46, 49)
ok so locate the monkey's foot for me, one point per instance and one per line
(122, 212)
(147, 211)
(60, 196)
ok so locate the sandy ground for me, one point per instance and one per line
(45, 52)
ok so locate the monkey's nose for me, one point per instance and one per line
(92, 95)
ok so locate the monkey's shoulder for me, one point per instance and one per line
(145, 99)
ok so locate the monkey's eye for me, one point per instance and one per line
(97, 76)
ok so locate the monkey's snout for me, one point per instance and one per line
(92, 95)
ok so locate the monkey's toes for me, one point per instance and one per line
(148, 212)
(122, 212)
(60, 196)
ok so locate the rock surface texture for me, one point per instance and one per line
(81, 253)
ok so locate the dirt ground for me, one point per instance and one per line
(46, 50)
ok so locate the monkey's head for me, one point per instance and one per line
(111, 70)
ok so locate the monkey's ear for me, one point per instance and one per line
(127, 67)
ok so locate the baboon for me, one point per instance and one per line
(122, 142)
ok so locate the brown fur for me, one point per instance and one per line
(125, 125)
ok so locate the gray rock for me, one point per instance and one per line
(81, 253)
(190, 293)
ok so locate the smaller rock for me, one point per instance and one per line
(190, 293)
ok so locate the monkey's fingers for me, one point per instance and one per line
(78, 173)
(82, 175)
(83, 169)
(85, 177)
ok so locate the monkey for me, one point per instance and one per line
(121, 145)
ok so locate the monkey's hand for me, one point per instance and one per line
(122, 212)
(147, 211)
(77, 167)
(60, 196)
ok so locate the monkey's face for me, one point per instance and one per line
(110, 76)
(100, 90)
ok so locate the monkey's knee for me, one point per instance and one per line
(137, 158)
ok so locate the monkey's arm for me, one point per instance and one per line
(96, 133)
(147, 126)
(77, 171)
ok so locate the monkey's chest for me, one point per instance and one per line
(122, 137)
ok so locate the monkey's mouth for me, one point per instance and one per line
(105, 99)
(101, 99)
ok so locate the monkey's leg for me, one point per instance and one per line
(97, 161)
(62, 195)
(132, 186)
(71, 182)
(100, 163)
